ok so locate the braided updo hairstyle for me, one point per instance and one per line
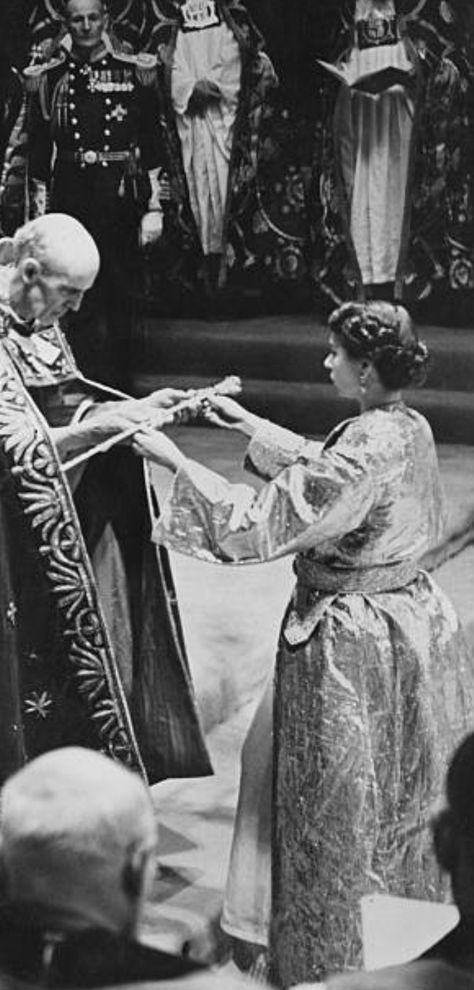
(383, 333)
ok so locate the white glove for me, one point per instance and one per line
(39, 199)
(151, 228)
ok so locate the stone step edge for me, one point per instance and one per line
(294, 355)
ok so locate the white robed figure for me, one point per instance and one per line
(205, 88)
(373, 128)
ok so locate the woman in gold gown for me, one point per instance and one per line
(373, 684)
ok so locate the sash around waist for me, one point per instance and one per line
(315, 576)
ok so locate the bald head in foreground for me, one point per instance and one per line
(78, 840)
(77, 859)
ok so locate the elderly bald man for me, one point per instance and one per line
(77, 857)
(90, 637)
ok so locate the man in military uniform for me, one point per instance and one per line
(95, 154)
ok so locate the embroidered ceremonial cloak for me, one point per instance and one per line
(91, 643)
(374, 686)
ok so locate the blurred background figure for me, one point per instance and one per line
(94, 152)
(214, 78)
(393, 196)
(11, 95)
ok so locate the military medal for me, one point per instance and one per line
(119, 112)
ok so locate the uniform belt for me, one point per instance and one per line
(91, 157)
(315, 576)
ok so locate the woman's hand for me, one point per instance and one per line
(140, 410)
(225, 412)
(157, 447)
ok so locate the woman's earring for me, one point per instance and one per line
(363, 381)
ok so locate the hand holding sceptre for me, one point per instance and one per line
(225, 412)
(219, 410)
(192, 405)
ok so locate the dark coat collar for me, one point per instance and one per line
(89, 958)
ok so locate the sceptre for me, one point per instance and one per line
(194, 404)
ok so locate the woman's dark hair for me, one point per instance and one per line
(383, 333)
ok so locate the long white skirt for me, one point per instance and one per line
(247, 902)
(373, 136)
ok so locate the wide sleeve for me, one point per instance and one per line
(312, 501)
(273, 448)
(183, 78)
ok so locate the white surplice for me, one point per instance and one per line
(373, 138)
(206, 142)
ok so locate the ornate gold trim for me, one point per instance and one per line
(46, 502)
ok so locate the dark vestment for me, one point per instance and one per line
(91, 958)
(90, 637)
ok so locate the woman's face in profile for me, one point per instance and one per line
(344, 371)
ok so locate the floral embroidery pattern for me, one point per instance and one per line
(49, 510)
(38, 704)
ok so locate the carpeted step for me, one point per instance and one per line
(275, 348)
(314, 408)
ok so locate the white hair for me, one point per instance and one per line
(69, 819)
(58, 242)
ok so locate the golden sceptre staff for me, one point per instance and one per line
(194, 404)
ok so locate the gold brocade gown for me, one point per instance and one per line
(374, 686)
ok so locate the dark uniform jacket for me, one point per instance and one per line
(93, 137)
(94, 133)
(91, 958)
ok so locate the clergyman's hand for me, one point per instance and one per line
(165, 398)
(92, 430)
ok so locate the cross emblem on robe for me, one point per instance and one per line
(119, 112)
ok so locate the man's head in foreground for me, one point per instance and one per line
(453, 828)
(77, 840)
(55, 261)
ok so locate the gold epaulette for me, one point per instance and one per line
(145, 65)
(33, 74)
